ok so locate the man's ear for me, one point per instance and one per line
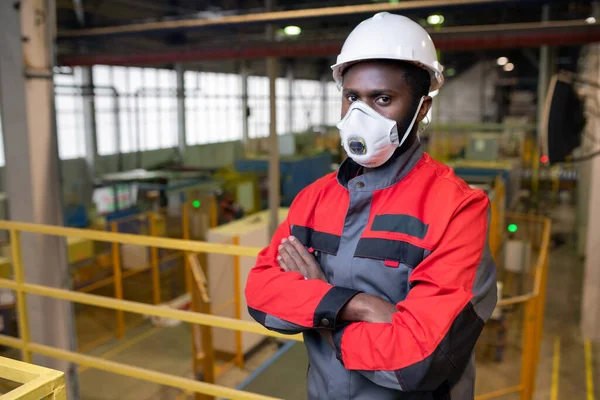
(425, 107)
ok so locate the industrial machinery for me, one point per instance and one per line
(296, 173)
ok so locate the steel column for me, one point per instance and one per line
(290, 105)
(33, 184)
(274, 178)
(244, 82)
(181, 128)
(89, 119)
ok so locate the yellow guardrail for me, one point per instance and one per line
(22, 289)
(532, 323)
(36, 382)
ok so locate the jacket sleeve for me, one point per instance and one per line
(286, 302)
(432, 336)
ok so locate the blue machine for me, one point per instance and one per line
(296, 172)
(76, 216)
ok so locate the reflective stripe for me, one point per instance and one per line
(400, 223)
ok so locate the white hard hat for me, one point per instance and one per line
(392, 37)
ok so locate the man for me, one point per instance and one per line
(383, 266)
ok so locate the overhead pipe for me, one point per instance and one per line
(268, 17)
(536, 34)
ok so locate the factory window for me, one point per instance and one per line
(213, 107)
(70, 127)
(69, 117)
(141, 115)
(259, 107)
(333, 105)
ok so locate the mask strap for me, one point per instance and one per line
(412, 122)
(424, 127)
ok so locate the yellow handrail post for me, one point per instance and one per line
(185, 226)
(528, 349)
(541, 298)
(118, 279)
(154, 262)
(17, 258)
(237, 288)
(201, 304)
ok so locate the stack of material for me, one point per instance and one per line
(250, 231)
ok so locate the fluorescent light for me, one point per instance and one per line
(509, 67)
(502, 61)
(292, 30)
(590, 20)
(435, 19)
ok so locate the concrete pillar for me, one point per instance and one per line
(32, 166)
(181, 134)
(89, 119)
(590, 312)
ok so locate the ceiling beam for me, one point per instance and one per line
(269, 17)
(505, 36)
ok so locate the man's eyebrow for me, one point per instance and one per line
(371, 93)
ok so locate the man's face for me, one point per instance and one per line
(382, 87)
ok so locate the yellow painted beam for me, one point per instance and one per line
(140, 373)
(589, 371)
(146, 309)
(140, 240)
(36, 382)
(499, 393)
(555, 370)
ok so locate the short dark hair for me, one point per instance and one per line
(416, 77)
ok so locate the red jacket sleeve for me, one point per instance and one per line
(435, 329)
(287, 302)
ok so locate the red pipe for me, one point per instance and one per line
(446, 42)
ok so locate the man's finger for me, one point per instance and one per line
(291, 249)
(289, 261)
(306, 256)
(291, 256)
(282, 264)
(313, 269)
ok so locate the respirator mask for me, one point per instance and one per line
(369, 138)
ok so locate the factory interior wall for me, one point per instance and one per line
(469, 97)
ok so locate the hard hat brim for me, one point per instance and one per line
(436, 75)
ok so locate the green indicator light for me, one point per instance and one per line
(512, 228)
(196, 203)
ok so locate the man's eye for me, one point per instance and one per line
(384, 100)
(351, 98)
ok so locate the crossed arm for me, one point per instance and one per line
(293, 257)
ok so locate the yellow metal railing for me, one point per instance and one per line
(533, 301)
(36, 382)
(23, 289)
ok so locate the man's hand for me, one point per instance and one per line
(368, 308)
(294, 257)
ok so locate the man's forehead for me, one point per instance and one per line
(381, 74)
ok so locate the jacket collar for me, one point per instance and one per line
(390, 173)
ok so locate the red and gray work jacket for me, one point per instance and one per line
(410, 232)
